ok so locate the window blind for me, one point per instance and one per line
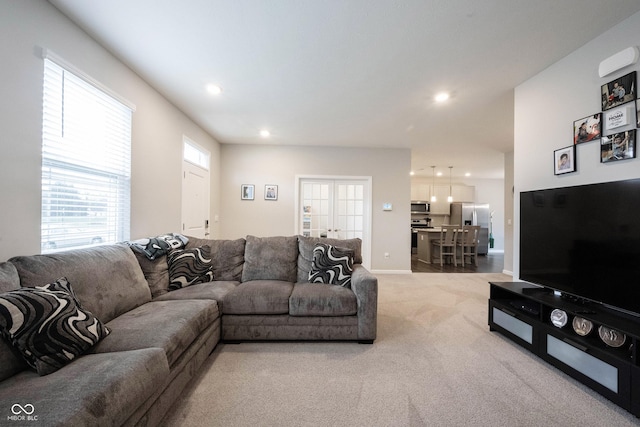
(86, 163)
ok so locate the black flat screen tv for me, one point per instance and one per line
(584, 241)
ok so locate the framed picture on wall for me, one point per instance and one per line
(247, 192)
(619, 146)
(564, 160)
(587, 128)
(270, 192)
(619, 91)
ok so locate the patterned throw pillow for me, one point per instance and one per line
(331, 265)
(47, 325)
(189, 267)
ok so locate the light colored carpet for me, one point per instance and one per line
(435, 363)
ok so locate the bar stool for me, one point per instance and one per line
(446, 244)
(468, 243)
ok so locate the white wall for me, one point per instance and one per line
(26, 27)
(279, 165)
(509, 198)
(546, 107)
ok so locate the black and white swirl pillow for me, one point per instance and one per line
(189, 267)
(331, 265)
(48, 326)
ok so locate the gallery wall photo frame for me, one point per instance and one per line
(619, 119)
(618, 146)
(247, 191)
(587, 128)
(271, 192)
(618, 91)
(564, 160)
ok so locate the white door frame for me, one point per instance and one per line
(206, 170)
(366, 241)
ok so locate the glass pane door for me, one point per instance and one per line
(349, 215)
(338, 208)
(317, 208)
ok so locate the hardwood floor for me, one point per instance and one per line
(493, 262)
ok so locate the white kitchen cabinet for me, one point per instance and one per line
(464, 193)
(440, 206)
(460, 193)
(420, 192)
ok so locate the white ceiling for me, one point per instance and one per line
(357, 73)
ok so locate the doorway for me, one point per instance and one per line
(335, 207)
(195, 189)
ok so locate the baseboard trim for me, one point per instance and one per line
(391, 271)
(510, 273)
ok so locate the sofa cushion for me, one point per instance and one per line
(106, 279)
(9, 278)
(189, 267)
(270, 258)
(216, 291)
(316, 299)
(169, 325)
(331, 265)
(227, 257)
(156, 272)
(258, 297)
(307, 244)
(10, 361)
(93, 390)
(48, 326)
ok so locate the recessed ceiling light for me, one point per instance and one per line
(467, 174)
(441, 97)
(439, 174)
(265, 133)
(412, 173)
(214, 89)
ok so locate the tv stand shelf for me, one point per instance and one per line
(521, 311)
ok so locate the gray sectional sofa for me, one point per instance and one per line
(159, 331)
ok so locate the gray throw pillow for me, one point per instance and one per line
(189, 267)
(331, 265)
(47, 325)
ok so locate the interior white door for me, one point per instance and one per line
(336, 208)
(349, 212)
(195, 200)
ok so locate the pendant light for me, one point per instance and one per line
(450, 198)
(433, 186)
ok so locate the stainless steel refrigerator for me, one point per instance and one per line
(462, 213)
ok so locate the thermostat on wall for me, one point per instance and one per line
(387, 207)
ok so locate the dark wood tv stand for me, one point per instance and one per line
(521, 311)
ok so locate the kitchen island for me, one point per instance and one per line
(425, 237)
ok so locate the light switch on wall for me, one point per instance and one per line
(387, 207)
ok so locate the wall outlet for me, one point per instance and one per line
(386, 255)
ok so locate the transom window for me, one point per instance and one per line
(194, 154)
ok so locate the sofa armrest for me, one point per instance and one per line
(365, 286)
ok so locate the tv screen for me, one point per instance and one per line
(584, 241)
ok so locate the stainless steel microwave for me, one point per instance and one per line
(418, 207)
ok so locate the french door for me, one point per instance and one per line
(336, 208)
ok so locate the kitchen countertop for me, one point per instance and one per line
(429, 230)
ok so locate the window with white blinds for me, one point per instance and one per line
(86, 163)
